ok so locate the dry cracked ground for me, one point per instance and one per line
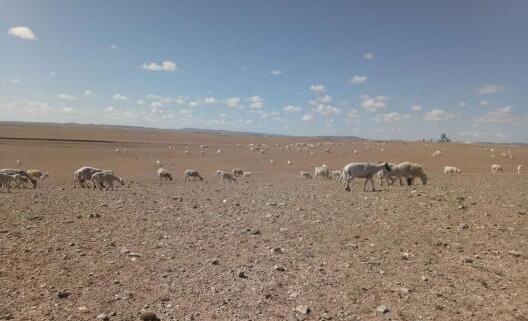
(268, 247)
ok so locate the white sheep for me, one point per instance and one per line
(519, 169)
(164, 174)
(105, 177)
(192, 174)
(84, 174)
(218, 151)
(226, 177)
(452, 170)
(385, 175)
(437, 153)
(289, 162)
(237, 172)
(337, 173)
(186, 152)
(6, 180)
(22, 173)
(362, 170)
(116, 150)
(495, 168)
(322, 171)
(409, 171)
(247, 174)
(37, 173)
(305, 175)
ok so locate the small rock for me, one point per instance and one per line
(382, 309)
(467, 260)
(277, 250)
(464, 226)
(149, 316)
(215, 262)
(242, 275)
(304, 309)
(405, 256)
(279, 268)
(103, 317)
(83, 309)
(134, 254)
(63, 294)
(514, 253)
(403, 290)
(461, 207)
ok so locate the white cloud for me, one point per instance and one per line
(15, 80)
(318, 89)
(308, 118)
(439, 115)
(22, 33)
(276, 72)
(491, 89)
(210, 100)
(356, 80)
(255, 102)
(113, 46)
(166, 65)
(393, 117)
(373, 104)
(462, 104)
(53, 74)
(416, 108)
(292, 109)
(484, 103)
(499, 116)
(233, 102)
(66, 97)
(327, 110)
(109, 109)
(353, 115)
(194, 104)
(326, 99)
(368, 56)
(119, 97)
(87, 92)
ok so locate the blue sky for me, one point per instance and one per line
(375, 69)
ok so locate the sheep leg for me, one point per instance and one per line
(401, 182)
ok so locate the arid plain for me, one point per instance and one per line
(269, 247)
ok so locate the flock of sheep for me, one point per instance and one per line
(385, 172)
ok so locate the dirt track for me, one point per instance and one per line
(454, 249)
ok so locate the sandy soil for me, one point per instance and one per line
(268, 247)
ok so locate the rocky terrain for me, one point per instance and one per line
(268, 247)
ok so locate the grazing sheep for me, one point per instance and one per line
(322, 171)
(84, 174)
(495, 168)
(305, 175)
(237, 172)
(452, 170)
(437, 153)
(22, 173)
(20, 180)
(192, 174)
(37, 173)
(519, 169)
(289, 162)
(385, 175)
(105, 177)
(204, 146)
(186, 152)
(202, 152)
(337, 173)
(226, 177)
(164, 175)
(271, 161)
(218, 151)
(116, 150)
(247, 174)
(6, 180)
(362, 170)
(409, 171)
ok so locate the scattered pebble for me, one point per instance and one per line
(149, 316)
(304, 309)
(382, 309)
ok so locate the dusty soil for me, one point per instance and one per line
(268, 247)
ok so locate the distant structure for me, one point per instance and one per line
(444, 138)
